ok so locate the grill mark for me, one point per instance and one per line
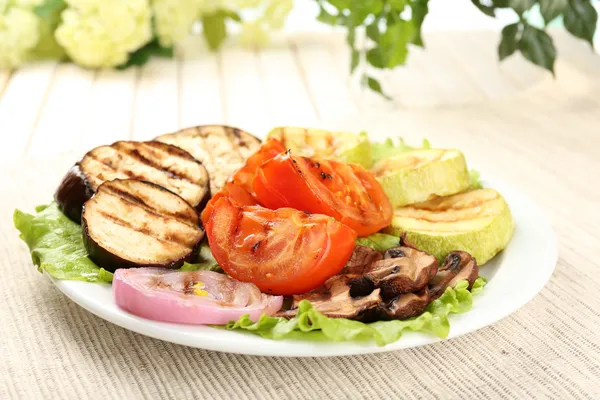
(445, 221)
(131, 174)
(198, 136)
(92, 156)
(131, 199)
(145, 231)
(229, 135)
(188, 282)
(133, 152)
(444, 209)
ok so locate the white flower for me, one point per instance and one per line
(102, 33)
(173, 19)
(19, 34)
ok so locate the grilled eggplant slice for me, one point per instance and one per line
(159, 163)
(222, 149)
(130, 223)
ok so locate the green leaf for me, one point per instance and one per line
(394, 43)
(510, 41)
(232, 15)
(537, 46)
(56, 245)
(351, 37)
(397, 5)
(487, 9)
(341, 4)
(355, 60)
(326, 17)
(375, 86)
(520, 6)
(581, 19)
(309, 324)
(375, 58)
(419, 9)
(390, 148)
(475, 179)
(142, 55)
(379, 241)
(214, 29)
(551, 9)
(47, 8)
(373, 31)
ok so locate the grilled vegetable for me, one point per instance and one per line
(478, 222)
(340, 146)
(131, 223)
(222, 149)
(281, 251)
(458, 266)
(239, 190)
(347, 192)
(159, 163)
(417, 176)
(409, 271)
(199, 297)
(334, 299)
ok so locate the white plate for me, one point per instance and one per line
(514, 277)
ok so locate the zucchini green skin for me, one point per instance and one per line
(442, 178)
(499, 232)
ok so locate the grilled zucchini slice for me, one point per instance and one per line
(130, 223)
(160, 163)
(222, 149)
(420, 175)
(341, 146)
(478, 222)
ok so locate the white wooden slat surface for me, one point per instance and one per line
(328, 87)
(64, 113)
(243, 90)
(20, 106)
(288, 100)
(156, 109)
(200, 96)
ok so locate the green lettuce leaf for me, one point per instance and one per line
(310, 324)
(391, 148)
(379, 241)
(56, 245)
(475, 179)
(206, 261)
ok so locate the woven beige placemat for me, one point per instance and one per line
(546, 146)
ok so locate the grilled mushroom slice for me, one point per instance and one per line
(222, 149)
(361, 260)
(130, 223)
(159, 163)
(457, 266)
(333, 300)
(410, 271)
(406, 305)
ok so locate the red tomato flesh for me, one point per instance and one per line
(282, 251)
(240, 188)
(347, 192)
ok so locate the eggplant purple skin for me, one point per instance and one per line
(73, 192)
